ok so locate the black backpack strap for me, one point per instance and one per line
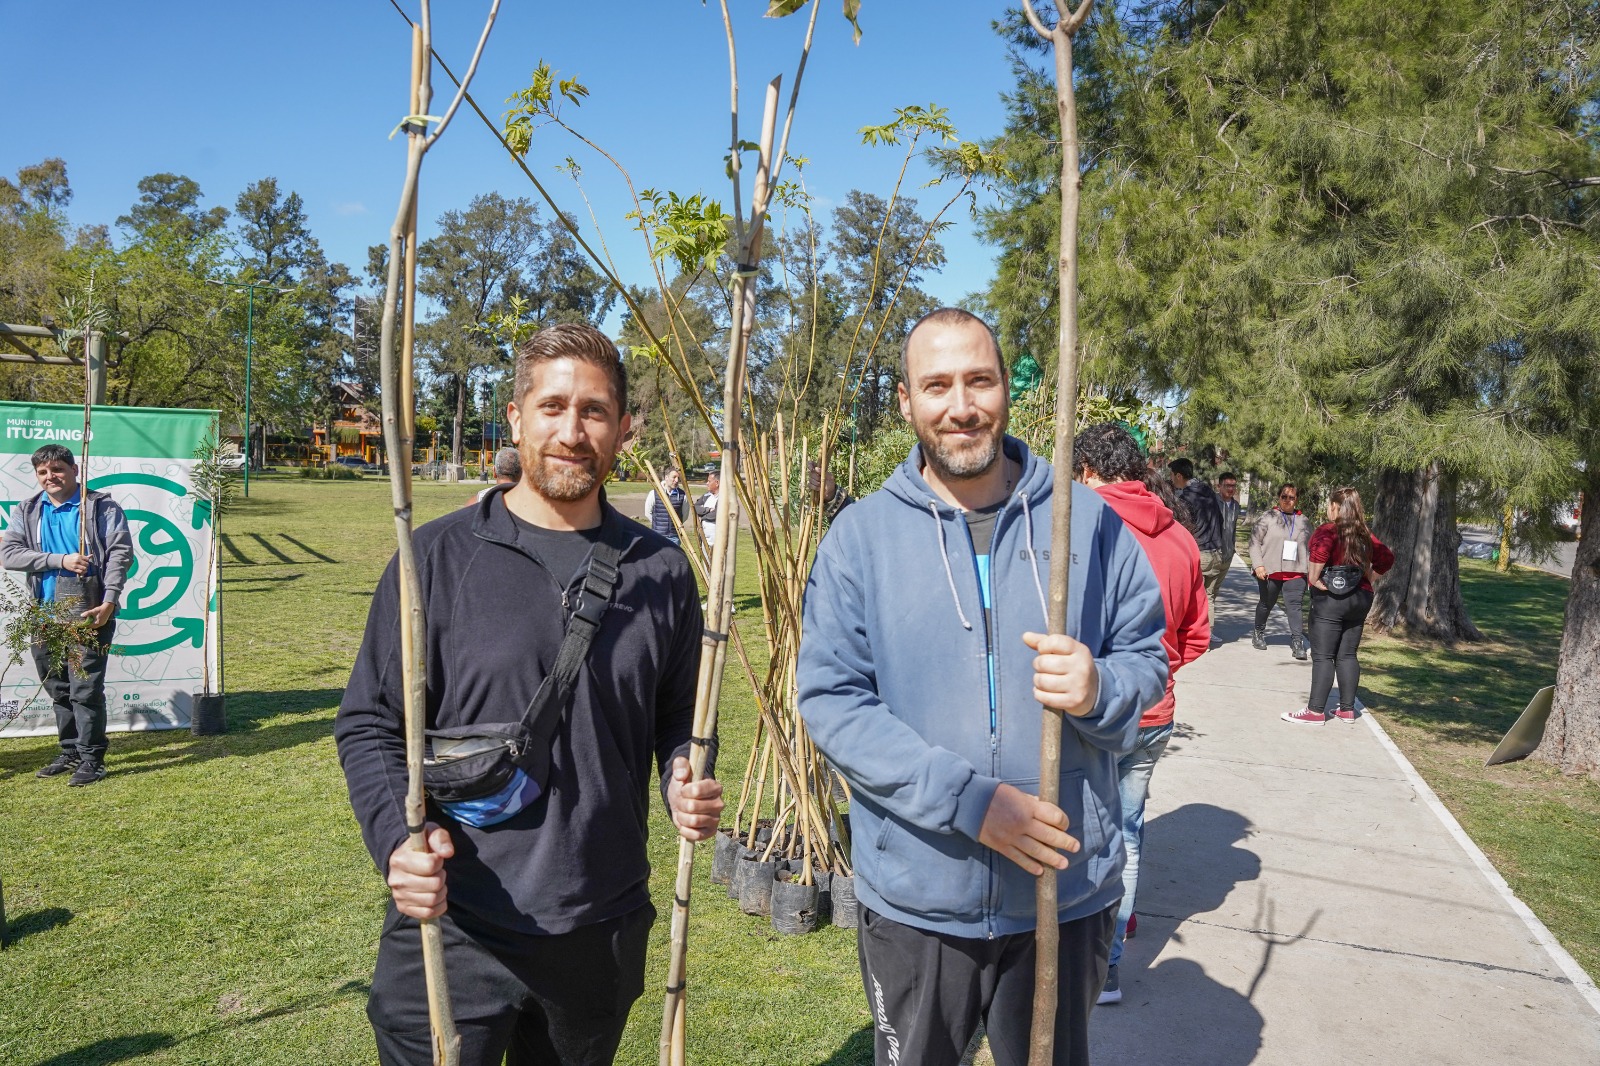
(555, 693)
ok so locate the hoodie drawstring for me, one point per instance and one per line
(1033, 558)
(944, 553)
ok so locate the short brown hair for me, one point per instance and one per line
(573, 340)
(951, 316)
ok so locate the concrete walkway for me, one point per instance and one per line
(1304, 902)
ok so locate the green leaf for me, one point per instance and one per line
(778, 9)
(852, 8)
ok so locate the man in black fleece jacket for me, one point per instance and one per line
(548, 911)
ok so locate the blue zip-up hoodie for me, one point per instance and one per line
(895, 689)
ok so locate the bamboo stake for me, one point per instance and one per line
(720, 592)
(399, 427)
(1047, 970)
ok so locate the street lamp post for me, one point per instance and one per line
(249, 289)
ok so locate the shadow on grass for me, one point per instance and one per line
(111, 1049)
(122, 1048)
(252, 730)
(1472, 693)
(41, 921)
(857, 1051)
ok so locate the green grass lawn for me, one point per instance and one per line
(211, 900)
(1448, 708)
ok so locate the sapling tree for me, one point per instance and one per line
(1046, 977)
(215, 487)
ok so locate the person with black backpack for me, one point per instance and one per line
(1343, 558)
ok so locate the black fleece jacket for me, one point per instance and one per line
(495, 622)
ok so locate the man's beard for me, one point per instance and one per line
(961, 462)
(563, 482)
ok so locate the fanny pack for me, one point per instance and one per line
(1342, 579)
(485, 773)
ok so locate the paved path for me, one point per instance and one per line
(1562, 558)
(1303, 902)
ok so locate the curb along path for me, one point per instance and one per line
(1306, 899)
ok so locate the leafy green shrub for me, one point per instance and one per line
(331, 472)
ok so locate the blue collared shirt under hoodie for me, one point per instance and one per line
(896, 666)
(58, 535)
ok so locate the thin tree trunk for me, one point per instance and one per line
(1572, 735)
(461, 416)
(1415, 515)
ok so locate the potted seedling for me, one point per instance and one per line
(214, 485)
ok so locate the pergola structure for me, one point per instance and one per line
(23, 339)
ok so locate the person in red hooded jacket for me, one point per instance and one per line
(1107, 458)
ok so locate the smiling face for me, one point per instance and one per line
(955, 398)
(58, 479)
(1229, 488)
(567, 427)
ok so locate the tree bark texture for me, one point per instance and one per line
(461, 416)
(1572, 735)
(1415, 515)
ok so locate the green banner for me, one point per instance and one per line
(128, 432)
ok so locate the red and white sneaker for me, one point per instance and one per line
(1347, 716)
(1305, 716)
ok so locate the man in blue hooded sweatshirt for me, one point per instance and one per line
(918, 683)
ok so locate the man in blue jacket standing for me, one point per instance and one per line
(923, 666)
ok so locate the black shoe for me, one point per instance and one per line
(89, 771)
(59, 765)
(1297, 648)
(1259, 640)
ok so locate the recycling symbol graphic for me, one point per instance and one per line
(163, 566)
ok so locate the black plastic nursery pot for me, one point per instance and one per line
(824, 881)
(208, 716)
(845, 908)
(753, 879)
(741, 855)
(794, 906)
(724, 852)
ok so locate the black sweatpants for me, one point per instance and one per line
(1294, 593)
(79, 695)
(536, 1000)
(929, 991)
(1336, 623)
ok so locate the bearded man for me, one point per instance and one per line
(923, 666)
(540, 888)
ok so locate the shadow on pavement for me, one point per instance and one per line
(1193, 858)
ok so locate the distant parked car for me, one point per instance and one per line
(231, 460)
(703, 471)
(356, 463)
(1569, 516)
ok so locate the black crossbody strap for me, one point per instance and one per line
(550, 702)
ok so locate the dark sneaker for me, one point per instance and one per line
(61, 764)
(1305, 716)
(1258, 640)
(1297, 648)
(89, 771)
(1112, 992)
(1348, 716)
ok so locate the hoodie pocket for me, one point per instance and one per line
(940, 876)
(1097, 860)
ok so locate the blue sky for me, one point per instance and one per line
(227, 93)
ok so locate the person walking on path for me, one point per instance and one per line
(1343, 558)
(43, 541)
(1228, 504)
(542, 888)
(656, 514)
(1208, 525)
(1106, 457)
(1278, 545)
(918, 684)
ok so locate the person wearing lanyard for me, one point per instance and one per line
(1278, 547)
(43, 542)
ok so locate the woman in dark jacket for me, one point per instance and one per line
(1344, 558)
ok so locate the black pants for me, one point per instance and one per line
(1335, 635)
(536, 1000)
(927, 992)
(1294, 593)
(79, 695)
